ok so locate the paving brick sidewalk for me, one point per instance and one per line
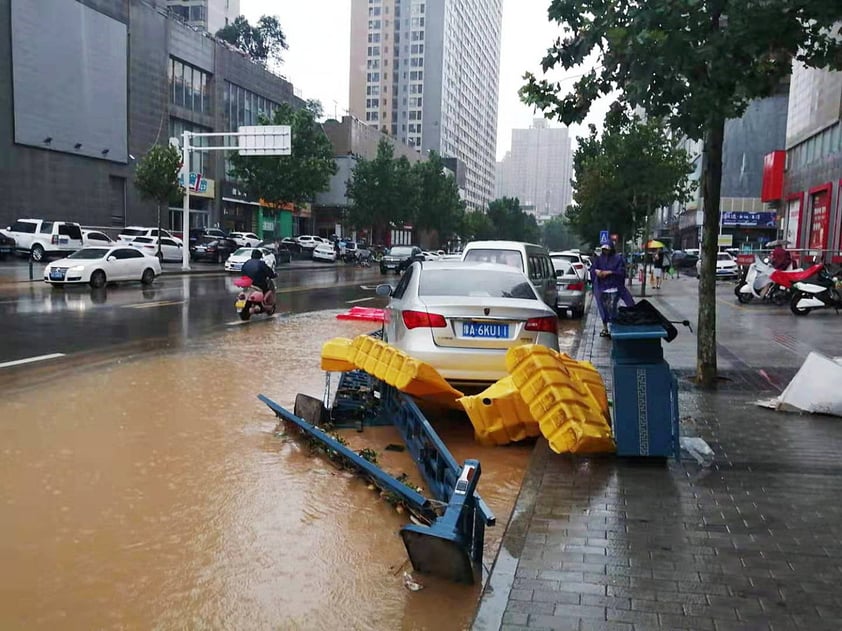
(751, 543)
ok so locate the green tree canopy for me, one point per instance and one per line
(289, 179)
(694, 64)
(557, 234)
(263, 42)
(624, 175)
(156, 178)
(439, 206)
(477, 226)
(511, 222)
(383, 191)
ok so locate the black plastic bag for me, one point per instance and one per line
(643, 312)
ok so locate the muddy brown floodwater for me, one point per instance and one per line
(156, 493)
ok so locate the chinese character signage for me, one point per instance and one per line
(752, 220)
(820, 221)
(200, 186)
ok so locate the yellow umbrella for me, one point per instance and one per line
(654, 245)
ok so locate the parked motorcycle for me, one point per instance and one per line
(820, 290)
(753, 284)
(252, 300)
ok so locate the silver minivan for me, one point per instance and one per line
(533, 260)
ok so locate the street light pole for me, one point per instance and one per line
(185, 230)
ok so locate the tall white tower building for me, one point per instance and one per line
(427, 72)
(538, 169)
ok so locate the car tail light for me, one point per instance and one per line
(422, 319)
(547, 324)
(54, 239)
(576, 286)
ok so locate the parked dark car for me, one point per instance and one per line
(399, 257)
(213, 249)
(197, 233)
(7, 245)
(282, 251)
(684, 260)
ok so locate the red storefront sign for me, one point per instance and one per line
(773, 176)
(819, 218)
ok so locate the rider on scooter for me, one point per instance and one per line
(261, 275)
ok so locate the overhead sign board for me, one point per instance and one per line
(725, 240)
(603, 237)
(265, 140)
(760, 220)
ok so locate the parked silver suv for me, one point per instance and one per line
(570, 273)
(40, 238)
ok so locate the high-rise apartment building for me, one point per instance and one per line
(538, 169)
(427, 72)
(210, 15)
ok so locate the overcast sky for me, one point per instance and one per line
(318, 34)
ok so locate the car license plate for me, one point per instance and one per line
(485, 330)
(57, 274)
(240, 304)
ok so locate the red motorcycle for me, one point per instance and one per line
(252, 300)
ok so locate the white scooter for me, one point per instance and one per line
(753, 284)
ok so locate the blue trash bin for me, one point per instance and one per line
(645, 392)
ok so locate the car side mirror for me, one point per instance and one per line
(179, 244)
(383, 290)
(111, 258)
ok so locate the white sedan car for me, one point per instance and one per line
(324, 252)
(462, 318)
(98, 266)
(726, 266)
(235, 260)
(245, 239)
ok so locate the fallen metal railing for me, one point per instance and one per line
(451, 546)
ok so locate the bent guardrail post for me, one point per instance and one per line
(448, 546)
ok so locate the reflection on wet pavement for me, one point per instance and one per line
(156, 493)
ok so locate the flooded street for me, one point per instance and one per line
(156, 493)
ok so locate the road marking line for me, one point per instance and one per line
(157, 303)
(30, 360)
(352, 302)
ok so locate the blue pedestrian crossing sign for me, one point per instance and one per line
(603, 238)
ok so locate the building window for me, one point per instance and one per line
(189, 87)
(199, 160)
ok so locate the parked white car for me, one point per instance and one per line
(234, 262)
(726, 266)
(244, 239)
(431, 256)
(98, 266)
(130, 233)
(307, 241)
(39, 238)
(324, 252)
(171, 248)
(96, 237)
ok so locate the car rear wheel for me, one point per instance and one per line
(37, 252)
(148, 276)
(98, 279)
(578, 313)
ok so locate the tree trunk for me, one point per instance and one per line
(711, 189)
(159, 230)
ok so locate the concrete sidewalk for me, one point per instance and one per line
(751, 543)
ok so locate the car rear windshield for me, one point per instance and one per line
(562, 264)
(400, 250)
(472, 282)
(134, 232)
(144, 240)
(89, 253)
(512, 258)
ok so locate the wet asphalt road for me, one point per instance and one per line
(39, 320)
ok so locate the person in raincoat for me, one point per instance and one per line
(608, 276)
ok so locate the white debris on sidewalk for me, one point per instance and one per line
(814, 389)
(698, 449)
